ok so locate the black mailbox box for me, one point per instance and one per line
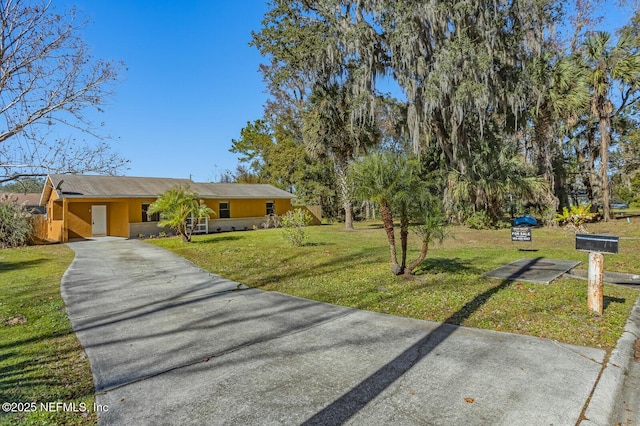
(599, 243)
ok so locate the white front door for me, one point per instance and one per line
(98, 220)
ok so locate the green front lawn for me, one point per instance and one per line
(41, 360)
(352, 269)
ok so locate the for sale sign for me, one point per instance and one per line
(520, 233)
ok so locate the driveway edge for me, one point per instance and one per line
(602, 408)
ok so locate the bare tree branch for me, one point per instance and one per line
(48, 77)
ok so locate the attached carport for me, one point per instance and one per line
(93, 218)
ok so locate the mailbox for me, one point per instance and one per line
(599, 243)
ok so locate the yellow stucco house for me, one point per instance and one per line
(85, 206)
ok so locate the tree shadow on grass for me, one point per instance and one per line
(318, 244)
(261, 277)
(438, 265)
(218, 239)
(12, 266)
(42, 364)
(376, 225)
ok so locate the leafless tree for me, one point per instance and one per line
(48, 83)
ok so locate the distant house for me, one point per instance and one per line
(82, 206)
(30, 201)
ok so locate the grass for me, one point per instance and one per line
(41, 360)
(352, 269)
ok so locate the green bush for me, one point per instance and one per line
(478, 220)
(577, 218)
(294, 225)
(15, 224)
(502, 224)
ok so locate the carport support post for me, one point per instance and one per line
(595, 295)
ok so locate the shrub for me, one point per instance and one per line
(478, 220)
(272, 220)
(15, 224)
(576, 219)
(294, 225)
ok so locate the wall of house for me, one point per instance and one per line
(120, 213)
(147, 229)
(236, 224)
(78, 220)
(239, 208)
(71, 218)
(135, 209)
(55, 215)
(118, 219)
(244, 208)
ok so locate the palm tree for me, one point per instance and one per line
(431, 228)
(176, 206)
(393, 181)
(561, 97)
(378, 177)
(488, 182)
(607, 64)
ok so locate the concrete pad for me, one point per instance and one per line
(627, 280)
(132, 278)
(538, 270)
(195, 350)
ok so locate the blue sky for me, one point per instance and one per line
(191, 83)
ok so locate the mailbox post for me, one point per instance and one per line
(595, 289)
(596, 245)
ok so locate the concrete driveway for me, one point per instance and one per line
(170, 343)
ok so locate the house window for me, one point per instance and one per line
(271, 208)
(224, 210)
(146, 217)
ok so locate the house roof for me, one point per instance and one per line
(28, 199)
(93, 186)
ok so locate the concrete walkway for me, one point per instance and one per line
(172, 344)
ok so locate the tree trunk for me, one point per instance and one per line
(184, 233)
(344, 193)
(419, 260)
(547, 154)
(367, 211)
(604, 164)
(587, 160)
(560, 180)
(348, 215)
(404, 237)
(387, 222)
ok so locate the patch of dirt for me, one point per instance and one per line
(18, 319)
